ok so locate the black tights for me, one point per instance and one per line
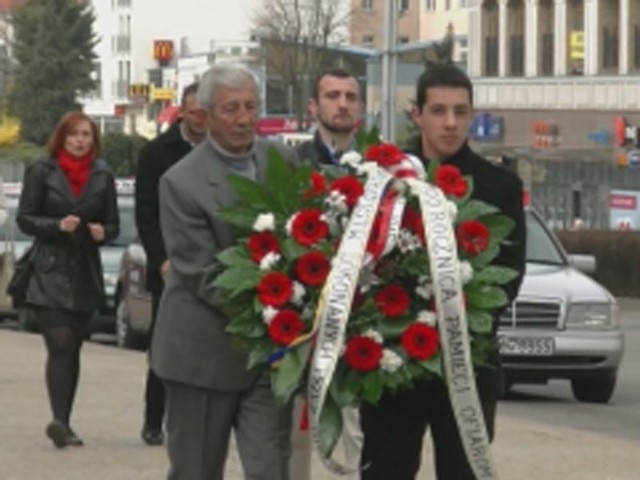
(63, 368)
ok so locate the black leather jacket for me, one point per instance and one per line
(67, 267)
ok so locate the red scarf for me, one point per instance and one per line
(76, 169)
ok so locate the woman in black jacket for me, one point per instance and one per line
(68, 204)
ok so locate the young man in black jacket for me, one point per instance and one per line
(443, 113)
(154, 160)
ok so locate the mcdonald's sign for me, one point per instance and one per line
(163, 51)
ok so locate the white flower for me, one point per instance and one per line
(352, 159)
(266, 222)
(337, 202)
(269, 261)
(428, 317)
(373, 335)
(399, 186)
(452, 210)
(407, 241)
(425, 291)
(268, 314)
(466, 272)
(366, 168)
(298, 293)
(390, 361)
(289, 226)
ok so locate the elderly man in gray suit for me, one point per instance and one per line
(210, 392)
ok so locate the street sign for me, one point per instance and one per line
(633, 158)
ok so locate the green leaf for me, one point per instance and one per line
(330, 426)
(433, 365)
(479, 322)
(431, 169)
(485, 258)
(292, 249)
(473, 210)
(259, 353)
(372, 386)
(289, 372)
(247, 325)
(231, 277)
(243, 217)
(495, 275)
(393, 328)
(500, 226)
(251, 192)
(236, 256)
(486, 297)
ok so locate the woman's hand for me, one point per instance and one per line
(69, 223)
(97, 232)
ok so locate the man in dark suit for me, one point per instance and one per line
(443, 113)
(336, 105)
(155, 158)
(210, 391)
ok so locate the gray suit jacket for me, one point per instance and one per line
(189, 343)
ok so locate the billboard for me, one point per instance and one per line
(623, 210)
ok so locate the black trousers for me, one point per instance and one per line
(154, 395)
(394, 430)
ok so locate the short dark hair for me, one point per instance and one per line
(191, 89)
(331, 72)
(444, 75)
(63, 128)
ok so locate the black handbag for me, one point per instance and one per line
(22, 273)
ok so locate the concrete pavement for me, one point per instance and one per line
(108, 415)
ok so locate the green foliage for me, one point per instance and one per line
(22, 152)
(53, 48)
(121, 152)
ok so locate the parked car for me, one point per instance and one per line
(563, 324)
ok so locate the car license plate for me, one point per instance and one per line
(526, 345)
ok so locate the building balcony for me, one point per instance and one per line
(558, 93)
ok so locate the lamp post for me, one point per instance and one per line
(389, 69)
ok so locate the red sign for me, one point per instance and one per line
(275, 125)
(623, 202)
(620, 131)
(163, 50)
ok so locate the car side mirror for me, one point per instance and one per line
(585, 263)
(137, 254)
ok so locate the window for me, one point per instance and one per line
(491, 56)
(367, 4)
(430, 5)
(636, 47)
(367, 40)
(403, 5)
(447, 4)
(609, 48)
(403, 39)
(546, 67)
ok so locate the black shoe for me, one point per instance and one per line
(73, 439)
(58, 433)
(152, 436)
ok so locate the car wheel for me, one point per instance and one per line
(27, 320)
(594, 390)
(125, 336)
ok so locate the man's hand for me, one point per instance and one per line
(69, 223)
(97, 232)
(164, 269)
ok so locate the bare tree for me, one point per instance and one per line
(294, 36)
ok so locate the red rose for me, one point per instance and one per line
(350, 187)
(412, 221)
(363, 354)
(285, 327)
(312, 268)
(449, 179)
(420, 341)
(392, 300)
(308, 228)
(318, 185)
(275, 289)
(384, 154)
(261, 243)
(473, 237)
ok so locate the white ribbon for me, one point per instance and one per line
(335, 303)
(452, 326)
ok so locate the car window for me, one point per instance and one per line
(128, 233)
(541, 246)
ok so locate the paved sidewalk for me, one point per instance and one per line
(109, 409)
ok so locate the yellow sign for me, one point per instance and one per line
(137, 90)
(576, 45)
(161, 94)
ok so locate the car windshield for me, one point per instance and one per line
(128, 232)
(541, 248)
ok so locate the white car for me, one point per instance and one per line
(563, 324)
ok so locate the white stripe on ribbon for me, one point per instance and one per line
(335, 303)
(452, 326)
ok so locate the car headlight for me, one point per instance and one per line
(591, 315)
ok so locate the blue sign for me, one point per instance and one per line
(600, 137)
(486, 128)
(633, 158)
